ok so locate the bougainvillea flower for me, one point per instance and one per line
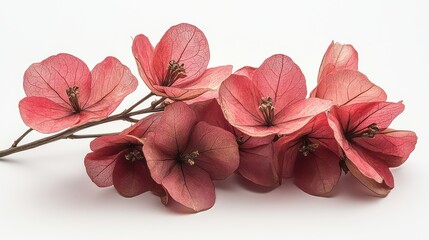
(118, 160)
(310, 156)
(177, 67)
(258, 163)
(347, 87)
(272, 101)
(370, 147)
(184, 156)
(338, 57)
(62, 92)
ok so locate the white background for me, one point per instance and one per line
(45, 193)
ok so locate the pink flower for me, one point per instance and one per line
(184, 156)
(340, 81)
(310, 156)
(272, 101)
(118, 160)
(62, 92)
(258, 163)
(177, 67)
(370, 148)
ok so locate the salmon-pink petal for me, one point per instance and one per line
(211, 94)
(160, 158)
(114, 140)
(317, 173)
(45, 115)
(240, 100)
(132, 178)
(179, 94)
(246, 71)
(357, 117)
(185, 44)
(286, 151)
(347, 87)
(338, 57)
(53, 76)
(143, 127)
(393, 146)
(100, 164)
(111, 83)
(191, 187)
(210, 112)
(211, 78)
(282, 80)
(217, 150)
(295, 116)
(259, 165)
(369, 170)
(143, 53)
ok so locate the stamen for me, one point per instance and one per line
(73, 94)
(134, 155)
(307, 147)
(368, 132)
(190, 158)
(267, 109)
(174, 71)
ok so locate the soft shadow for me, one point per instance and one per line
(246, 184)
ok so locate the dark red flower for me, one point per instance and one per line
(310, 156)
(184, 156)
(62, 92)
(177, 67)
(118, 160)
(272, 101)
(370, 148)
(258, 163)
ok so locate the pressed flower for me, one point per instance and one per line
(369, 147)
(258, 164)
(118, 160)
(338, 57)
(310, 156)
(177, 67)
(272, 101)
(62, 92)
(184, 156)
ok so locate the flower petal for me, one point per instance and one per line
(54, 75)
(258, 163)
(179, 94)
(246, 71)
(240, 99)
(357, 117)
(143, 127)
(210, 112)
(217, 148)
(191, 187)
(393, 146)
(100, 164)
(318, 173)
(369, 170)
(347, 87)
(281, 79)
(211, 78)
(132, 178)
(111, 83)
(185, 44)
(338, 57)
(143, 53)
(46, 116)
(295, 116)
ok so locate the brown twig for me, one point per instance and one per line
(15, 143)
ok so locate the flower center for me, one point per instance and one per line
(267, 109)
(189, 158)
(73, 94)
(307, 147)
(134, 155)
(368, 132)
(175, 71)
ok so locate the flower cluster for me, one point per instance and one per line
(210, 123)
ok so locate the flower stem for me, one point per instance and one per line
(15, 143)
(96, 135)
(68, 133)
